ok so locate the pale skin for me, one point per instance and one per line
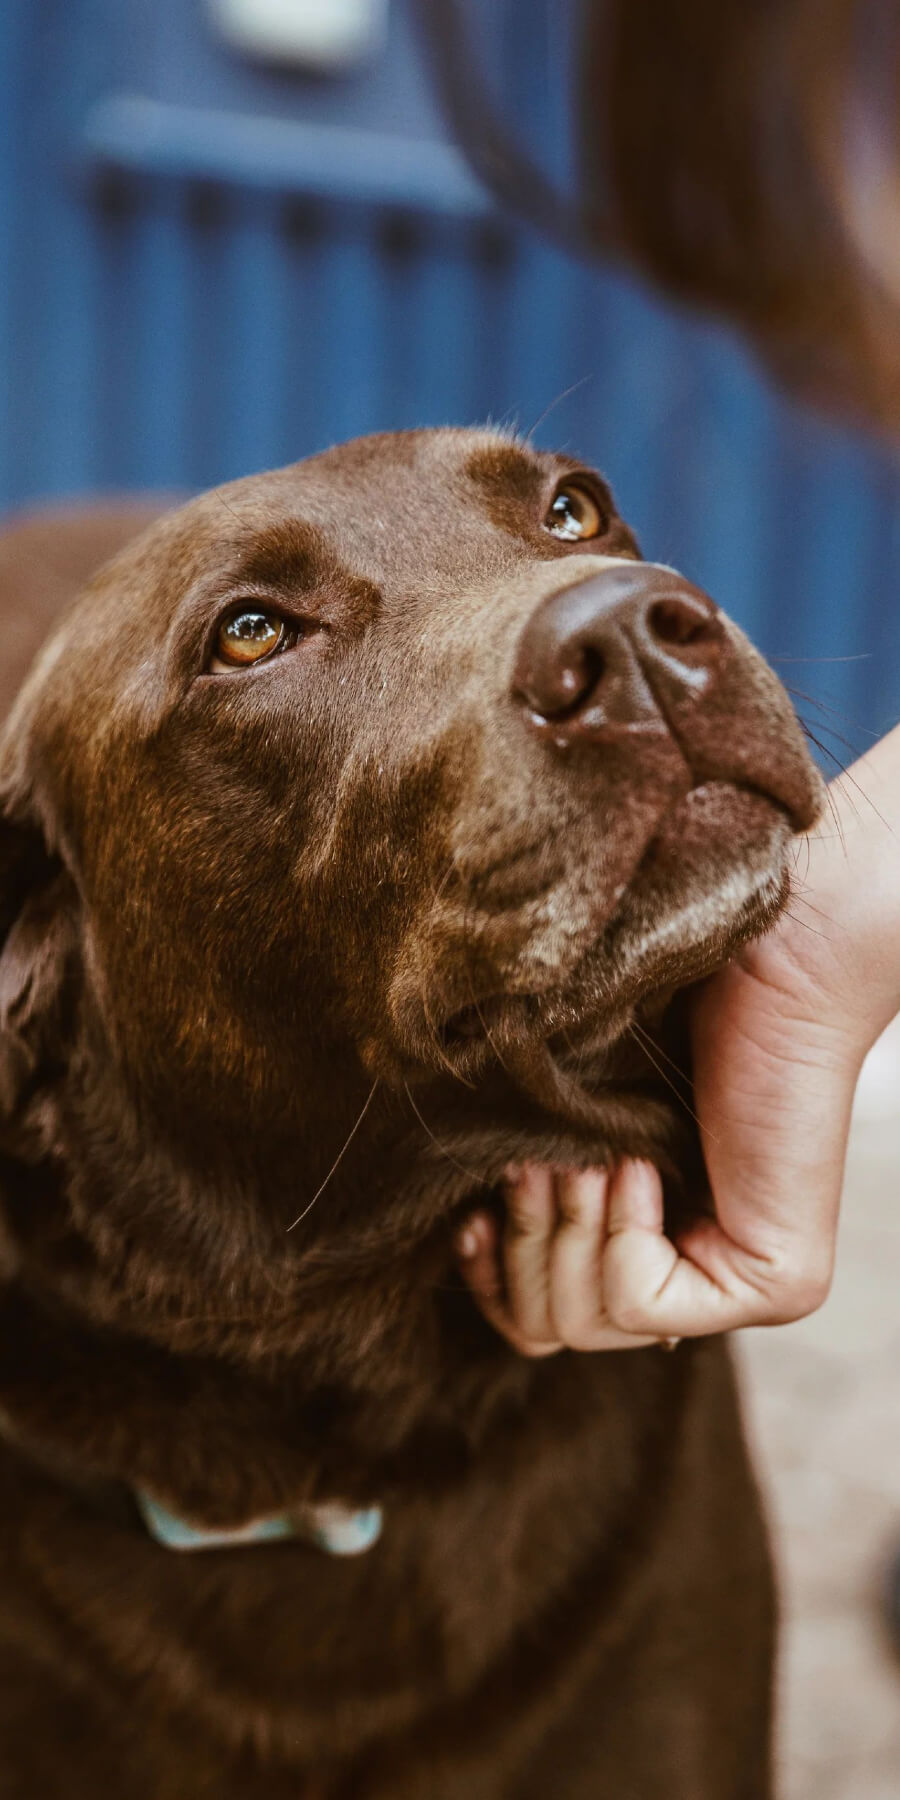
(779, 1036)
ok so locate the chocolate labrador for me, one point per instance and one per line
(358, 822)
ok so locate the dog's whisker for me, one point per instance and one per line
(218, 495)
(859, 656)
(845, 778)
(835, 712)
(341, 1153)
(640, 1031)
(805, 925)
(832, 731)
(645, 1047)
(797, 893)
(829, 797)
(566, 394)
(838, 823)
(471, 1173)
(796, 851)
(814, 739)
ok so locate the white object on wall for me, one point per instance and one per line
(324, 35)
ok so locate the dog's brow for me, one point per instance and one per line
(504, 471)
(290, 551)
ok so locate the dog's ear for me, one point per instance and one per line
(38, 959)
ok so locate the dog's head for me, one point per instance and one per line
(401, 753)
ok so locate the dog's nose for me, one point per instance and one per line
(610, 652)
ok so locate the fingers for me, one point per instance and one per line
(479, 1247)
(477, 1244)
(576, 1266)
(542, 1284)
(578, 1306)
(531, 1215)
(584, 1260)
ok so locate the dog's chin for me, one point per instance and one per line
(714, 875)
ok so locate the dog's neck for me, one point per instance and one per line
(330, 1359)
(328, 1363)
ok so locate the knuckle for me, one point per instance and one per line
(575, 1210)
(524, 1214)
(580, 1203)
(519, 1223)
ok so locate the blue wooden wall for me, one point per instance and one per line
(208, 266)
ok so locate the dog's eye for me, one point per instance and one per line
(247, 637)
(574, 513)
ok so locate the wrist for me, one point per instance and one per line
(842, 967)
(841, 928)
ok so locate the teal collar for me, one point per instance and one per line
(334, 1528)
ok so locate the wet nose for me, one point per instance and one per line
(608, 654)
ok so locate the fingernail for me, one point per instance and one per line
(513, 1172)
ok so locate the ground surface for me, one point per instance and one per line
(824, 1401)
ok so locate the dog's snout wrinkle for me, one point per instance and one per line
(516, 876)
(602, 659)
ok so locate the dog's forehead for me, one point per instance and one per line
(395, 509)
(384, 495)
(449, 464)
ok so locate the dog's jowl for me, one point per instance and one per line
(352, 817)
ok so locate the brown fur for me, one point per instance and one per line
(249, 919)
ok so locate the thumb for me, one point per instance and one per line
(774, 1088)
(775, 1074)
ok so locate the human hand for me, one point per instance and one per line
(549, 1280)
(583, 1260)
(779, 1037)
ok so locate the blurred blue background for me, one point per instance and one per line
(214, 261)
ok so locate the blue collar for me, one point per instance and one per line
(332, 1527)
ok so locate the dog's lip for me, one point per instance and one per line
(683, 825)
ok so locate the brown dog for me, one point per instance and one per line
(349, 818)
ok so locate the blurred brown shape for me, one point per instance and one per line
(46, 556)
(750, 160)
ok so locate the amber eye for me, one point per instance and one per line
(574, 513)
(247, 637)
